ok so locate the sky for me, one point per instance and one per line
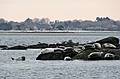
(19, 10)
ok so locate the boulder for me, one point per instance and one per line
(111, 40)
(51, 54)
(55, 53)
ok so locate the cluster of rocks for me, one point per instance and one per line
(68, 43)
(104, 49)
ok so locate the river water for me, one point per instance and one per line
(36, 69)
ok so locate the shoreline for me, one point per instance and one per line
(59, 31)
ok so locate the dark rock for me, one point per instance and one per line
(55, 54)
(112, 40)
(51, 54)
(69, 51)
(3, 46)
(19, 47)
(40, 45)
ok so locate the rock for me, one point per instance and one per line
(95, 56)
(19, 47)
(109, 56)
(56, 53)
(111, 40)
(109, 45)
(51, 54)
(3, 46)
(67, 58)
(97, 45)
(69, 51)
(40, 45)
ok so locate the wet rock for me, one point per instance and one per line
(69, 51)
(40, 45)
(51, 54)
(55, 54)
(3, 46)
(19, 47)
(111, 40)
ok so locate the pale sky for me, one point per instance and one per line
(19, 10)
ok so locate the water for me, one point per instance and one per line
(33, 38)
(35, 69)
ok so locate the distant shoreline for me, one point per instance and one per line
(58, 31)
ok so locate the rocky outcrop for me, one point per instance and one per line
(56, 54)
(111, 40)
(18, 47)
(36, 46)
(3, 46)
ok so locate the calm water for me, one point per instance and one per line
(33, 69)
(34, 38)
